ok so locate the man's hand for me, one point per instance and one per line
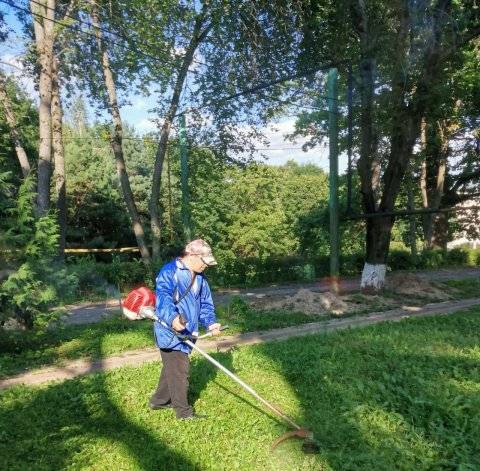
(177, 324)
(215, 328)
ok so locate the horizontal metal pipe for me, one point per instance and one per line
(409, 212)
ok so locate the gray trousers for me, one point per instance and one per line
(172, 386)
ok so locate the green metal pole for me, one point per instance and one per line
(349, 138)
(332, 97)
(187, 226)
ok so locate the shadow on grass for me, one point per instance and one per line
(24, 351)
(78, 422)
(205, 373)
(394, 396)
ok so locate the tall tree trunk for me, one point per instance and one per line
(59, 158)
(426, 220)
(441, 230)
(412, 225)
(433, 139)
(44, 35)
(170, 202)
(378, 229)
(198, 36)
(13, 128)
(408, 106)
(434, 175)
(117, 140)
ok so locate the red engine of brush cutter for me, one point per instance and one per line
(136, 300)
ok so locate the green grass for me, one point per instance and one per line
(28, 350)
(460, 289)
(395, 396)
(23, 351)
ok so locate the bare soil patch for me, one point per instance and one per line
(401, 289)
(319, 303)
(304, 300)
(416, 286)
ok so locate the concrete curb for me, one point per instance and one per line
(137, 357)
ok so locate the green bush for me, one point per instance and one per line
(89, 279)
(401, 260)
(97, 278)
(94, 278)
(16, 341)
(457, 257)
(257, 271)
(126, 273)
(39, 278)
(473, 258)
(350, 265)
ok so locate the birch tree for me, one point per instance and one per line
(15, 132)
(59, 157)
(43, 16)
(201, 28)
(117, 137)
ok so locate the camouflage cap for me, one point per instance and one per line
(202, 249)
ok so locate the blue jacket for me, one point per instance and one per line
(196, 307)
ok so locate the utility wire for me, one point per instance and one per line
(171, 144)
(236, 95)
(118, 35)
(263, 86)
(12, 65)
(146, 138)
(38, 15)
(251, 90)
(78, 20)
(132, 44)
(128, 47)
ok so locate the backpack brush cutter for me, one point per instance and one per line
(139, 304)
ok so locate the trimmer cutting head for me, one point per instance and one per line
(309, 444)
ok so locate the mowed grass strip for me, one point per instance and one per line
(22, 351)
(392, 396)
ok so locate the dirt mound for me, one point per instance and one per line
(402, 288)
(409, 284)
(306, 301)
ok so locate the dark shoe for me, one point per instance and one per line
(194, 417)
(159, 406)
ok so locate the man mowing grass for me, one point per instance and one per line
(183, 300)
